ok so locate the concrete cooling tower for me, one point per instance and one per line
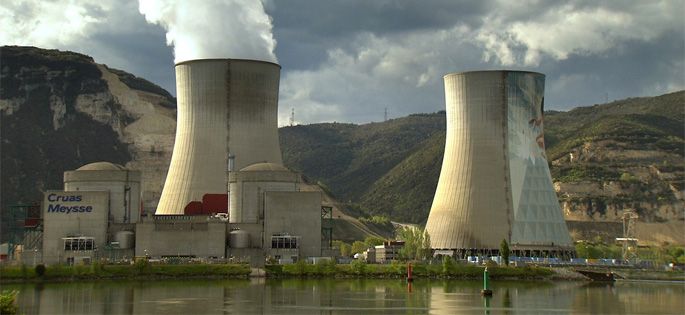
(495, 183)
(227, 113)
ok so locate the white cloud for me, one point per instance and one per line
(50, 23)
(559, 31)
(394, 72)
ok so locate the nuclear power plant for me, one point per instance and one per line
(226, 193)
(228, 196)
(495, 183)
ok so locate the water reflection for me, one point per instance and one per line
(360, 296)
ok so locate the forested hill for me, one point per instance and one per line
(627, 153)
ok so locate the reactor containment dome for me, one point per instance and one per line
(495, 183)
(227, 115)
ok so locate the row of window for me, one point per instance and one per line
(284, 241)
(79, 243)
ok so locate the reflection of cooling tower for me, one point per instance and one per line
(225, 107)
(495, 183)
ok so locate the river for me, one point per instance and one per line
(357, 296)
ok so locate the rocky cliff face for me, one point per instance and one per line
(60, 110)
(626, 155)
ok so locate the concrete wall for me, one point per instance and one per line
(296, 214)
(115, 182)
(192, 237)
(247, 199)
(58, 221)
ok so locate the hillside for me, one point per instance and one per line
(60, 110)
(603, 158)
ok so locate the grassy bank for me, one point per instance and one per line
(140, 270)
(399, 270)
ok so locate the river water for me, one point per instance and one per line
(358, 296)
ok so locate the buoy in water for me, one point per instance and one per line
(486, 287)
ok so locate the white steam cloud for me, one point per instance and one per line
(238, 29)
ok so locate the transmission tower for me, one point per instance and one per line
(385, 115)
(292, 117)
(629, 218)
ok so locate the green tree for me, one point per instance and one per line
(504, 251)
(359, 247)
(372, 241)
(447, 264)
(343, 247)
(416, 243)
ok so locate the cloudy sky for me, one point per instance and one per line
(347, 61)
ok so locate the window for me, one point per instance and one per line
(284, 241)
(79, 243)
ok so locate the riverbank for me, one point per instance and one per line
(356, 269)
(57, 273)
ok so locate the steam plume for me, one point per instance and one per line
(238, 29)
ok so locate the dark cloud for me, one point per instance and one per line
(144, 55)
(305, 29)
(347, 61)
(634, 68)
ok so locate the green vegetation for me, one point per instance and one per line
(8, 302)
(504, 251)
(358, 246)
(448, 269)
(345, 249)
(417, 243)
(660, 255)
(578, 172)
(141, 269)
(376, 219)
(596, 251)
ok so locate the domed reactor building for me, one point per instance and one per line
(495, 183)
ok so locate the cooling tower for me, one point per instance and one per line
(495, 183)
(226, 107)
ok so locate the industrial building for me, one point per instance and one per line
(495, 183)
(96, 211)
(226, 193)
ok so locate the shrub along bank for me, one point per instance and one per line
(140, 269)
(399, 270)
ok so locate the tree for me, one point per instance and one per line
(344, 248)
(504, 251)
(372, 241)
(416, 243)
(359, 247)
